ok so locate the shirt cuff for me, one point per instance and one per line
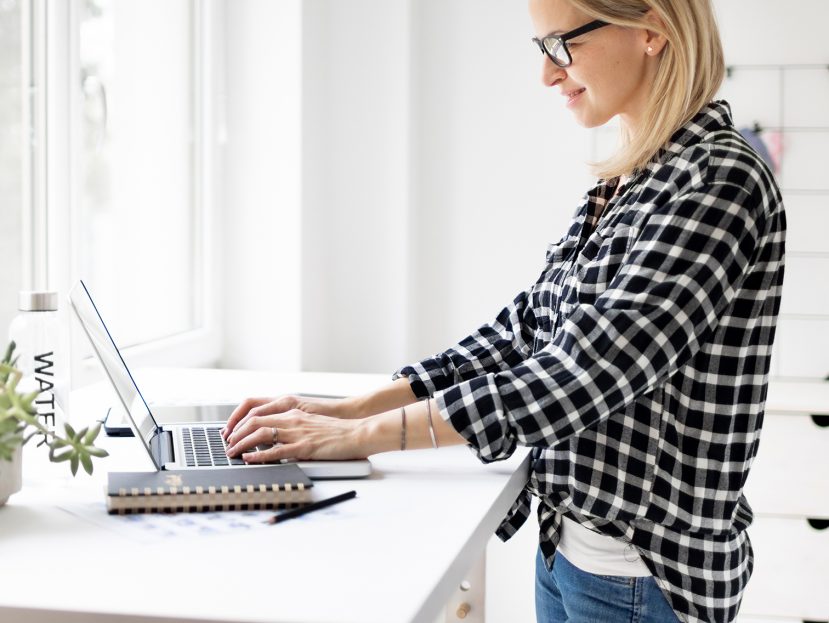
(474, 408)
(421, 384)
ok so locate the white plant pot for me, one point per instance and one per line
(11, 475)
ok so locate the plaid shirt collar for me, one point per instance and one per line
(715, 116)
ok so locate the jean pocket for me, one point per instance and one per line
(596, 580)
(622, 580)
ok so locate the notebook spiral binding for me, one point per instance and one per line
(207, 499)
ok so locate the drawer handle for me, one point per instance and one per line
(819, 524)
(820, 420)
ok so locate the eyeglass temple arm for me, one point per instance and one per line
(582, 30)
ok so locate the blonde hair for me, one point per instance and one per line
(690, 71)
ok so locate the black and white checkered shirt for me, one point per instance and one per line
(636, 367)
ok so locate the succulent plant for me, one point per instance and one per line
(19, 423)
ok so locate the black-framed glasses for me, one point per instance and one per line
(555, 46)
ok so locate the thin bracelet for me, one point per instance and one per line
(403, 429)
(431, 428)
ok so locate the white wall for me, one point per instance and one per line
(262, 202)
(498, 165)
(432, 178)
(356, 178)
(432, 175)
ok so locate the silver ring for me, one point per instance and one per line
(275, 436)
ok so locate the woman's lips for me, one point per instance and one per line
(572, 96)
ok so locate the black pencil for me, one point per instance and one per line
(296, 512)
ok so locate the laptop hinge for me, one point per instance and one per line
(161, 445)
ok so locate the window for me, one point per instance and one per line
(138, 200)
(15, 155)
(122, 176)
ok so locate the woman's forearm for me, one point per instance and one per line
(392, 396)
(383, 432)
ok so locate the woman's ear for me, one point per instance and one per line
(653, 39)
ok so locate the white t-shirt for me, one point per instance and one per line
(599, 554)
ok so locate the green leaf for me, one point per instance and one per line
(26, 418)
(59, 458)
(28, 401)
(86, 461)
(99, 452)
(73, 463)
(9, 352)
(81, 434)
(92, 434)
(70, 432)
(8, 444)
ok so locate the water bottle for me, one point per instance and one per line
(36, 331)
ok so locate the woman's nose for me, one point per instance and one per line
(551, 74)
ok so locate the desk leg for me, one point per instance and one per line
(468, 602)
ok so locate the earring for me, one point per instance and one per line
(650, 49)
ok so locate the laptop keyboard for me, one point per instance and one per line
(204, 447)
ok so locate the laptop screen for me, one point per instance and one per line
(115, 367)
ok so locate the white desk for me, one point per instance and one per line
(438, 510)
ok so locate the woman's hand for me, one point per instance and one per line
(316, 428)
(297, 435)
(346, 408)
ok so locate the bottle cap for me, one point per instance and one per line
(37, 301)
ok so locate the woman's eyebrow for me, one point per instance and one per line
(554, 33)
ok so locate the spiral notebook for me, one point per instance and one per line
(258, 488)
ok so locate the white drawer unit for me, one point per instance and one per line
(791, 570)
(790, 475)
(788, 488)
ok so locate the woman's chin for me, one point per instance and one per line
(589, 120)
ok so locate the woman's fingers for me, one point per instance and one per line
(241, 411)
(256, 436)
(254, 407)
(272, 455)
(300, 435)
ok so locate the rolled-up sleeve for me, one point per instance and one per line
(495, 347)
(681, 272)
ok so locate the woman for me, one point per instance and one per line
(636, 366)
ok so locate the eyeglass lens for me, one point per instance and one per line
(557, 51)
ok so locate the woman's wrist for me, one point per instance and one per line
(376, 434)
(384, 432)
(353, 408)
(394, 395)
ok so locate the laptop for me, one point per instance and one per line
(192, 442)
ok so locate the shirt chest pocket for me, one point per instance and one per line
(598, 263)
(550, 291)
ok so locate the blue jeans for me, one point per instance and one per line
(569, 595)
